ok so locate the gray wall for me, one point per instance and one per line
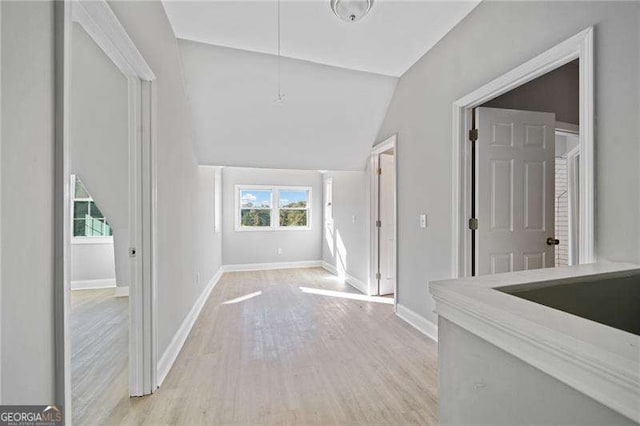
(262, 246)
(99, 138)
(184, 190)
(187, 245)
(27, 203)
(92, 261)
(496, 37)
(557, 91)
(481, 384)
(345, 245)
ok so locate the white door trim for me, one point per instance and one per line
(579, 46)
(389, 143)
(102, 25)
(572, 184)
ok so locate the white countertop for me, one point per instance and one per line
(598, 360)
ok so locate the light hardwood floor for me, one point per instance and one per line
(265, 352)
(99, 327)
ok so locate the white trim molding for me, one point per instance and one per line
(99, 21)
(580, 46)
(93, 284)
(599, 361)
(349, 279)
(170, 354)
(121, 291)
(420, 323)
(272, 266)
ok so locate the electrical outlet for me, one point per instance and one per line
(353, 219)
(279, 250)
(423, 220)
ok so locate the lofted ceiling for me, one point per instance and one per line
(391, 38)
(337, 77)
(329, 118)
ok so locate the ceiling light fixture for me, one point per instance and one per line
(280, 99)
(351, 10)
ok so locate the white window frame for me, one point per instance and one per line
(275, 208)
(87, 239)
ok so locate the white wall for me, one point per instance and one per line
(27, 202)
(207, 242)
(99, 140)
(345, 244)
(184, 190)
(482, 384)
(496, 37)
(262, 246)
(92, 264)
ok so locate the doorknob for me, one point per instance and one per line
(552, 241)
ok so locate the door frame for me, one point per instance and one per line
(580, 46)
(102, 25)
(374, 285)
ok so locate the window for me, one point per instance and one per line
(268, 208)
(88, 220)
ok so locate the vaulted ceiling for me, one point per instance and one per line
(391, 38)
(337, 77)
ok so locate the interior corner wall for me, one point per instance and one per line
(495, 38)
(99, 141)
(240, 248)
(186, 260)
(28, 368)
(346, 242)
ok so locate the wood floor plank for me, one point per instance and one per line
(264, 352)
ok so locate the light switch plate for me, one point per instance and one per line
(423, 220)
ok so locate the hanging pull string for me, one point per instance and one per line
(280, 97)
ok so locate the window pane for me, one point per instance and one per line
(251, 217)
(80, 209)
(293, 218)
(95, 211)
(78, 228)
(255, 198)
(81, 191)
(293, 199)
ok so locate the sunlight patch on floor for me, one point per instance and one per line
(242, 298)
(345, 295)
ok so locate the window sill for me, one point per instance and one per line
(282, 228)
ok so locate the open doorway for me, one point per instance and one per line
(516, 203)
(100, 231)
(105, 340)
(383, 218)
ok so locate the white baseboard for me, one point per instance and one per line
(171, 353)
(270, 266)
(93, 284)
(423, 325)
(121, 291)
(349, 279)
(329, 268)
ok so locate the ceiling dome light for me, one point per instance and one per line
(351, 10)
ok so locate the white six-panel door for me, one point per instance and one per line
(515, 190)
